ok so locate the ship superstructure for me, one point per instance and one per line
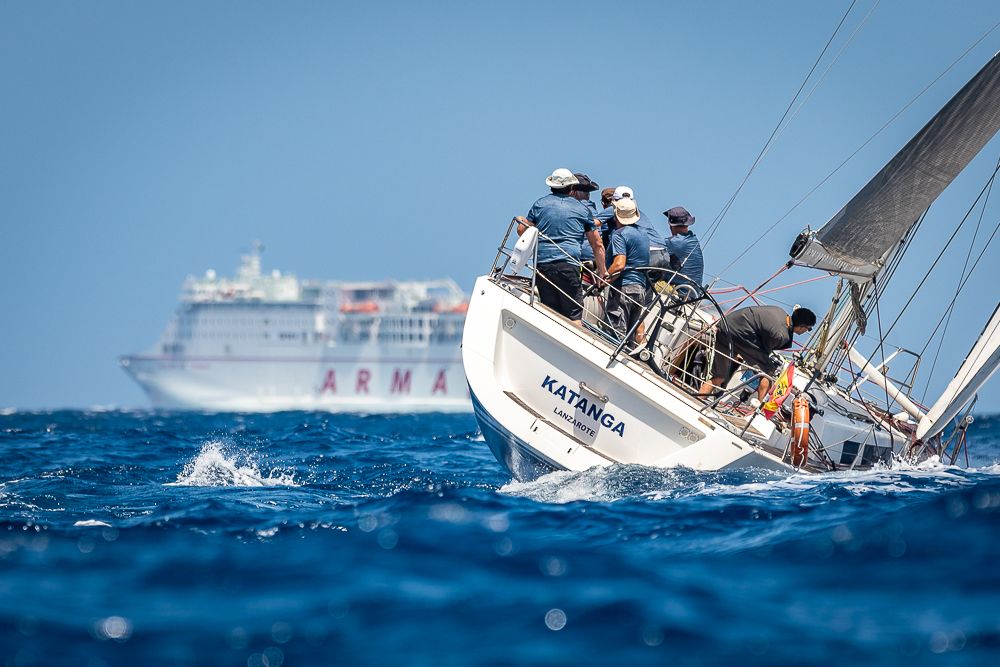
(269, 341)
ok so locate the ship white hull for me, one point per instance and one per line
(545, 401)
(354, 380)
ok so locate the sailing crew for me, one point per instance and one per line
(629, 250)
(562, 221)
(754, 332)
(684, 248)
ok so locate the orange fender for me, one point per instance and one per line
(800, 431)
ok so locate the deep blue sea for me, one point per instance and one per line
(135, 538)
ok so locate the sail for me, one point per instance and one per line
(856, 240)
(979, 365)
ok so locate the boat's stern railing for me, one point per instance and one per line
(671, 313)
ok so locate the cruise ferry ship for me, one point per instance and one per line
(262, 342)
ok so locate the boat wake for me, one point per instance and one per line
(214, 466)
(624, 482)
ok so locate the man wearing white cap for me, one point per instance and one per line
(562, 221)
(629, 250)
(658, 256)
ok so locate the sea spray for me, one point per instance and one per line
(217, 465)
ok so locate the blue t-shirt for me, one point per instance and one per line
(634, 244)
(686, 257)
(563, 220)
(586, 252)
(643, 223)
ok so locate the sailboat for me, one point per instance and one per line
(549, 395)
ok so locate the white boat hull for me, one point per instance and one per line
(545, 400)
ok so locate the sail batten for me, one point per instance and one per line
(979, 365)
(857, 239)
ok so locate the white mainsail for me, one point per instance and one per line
(980, 364)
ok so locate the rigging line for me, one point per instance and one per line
(951, 306)
(967, 276)
(897, 259)
(725, 209)
(938, 259)
(833, 62)
(859, 149)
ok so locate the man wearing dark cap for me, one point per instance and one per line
(684, 248)
(754, 333)
(581, 191)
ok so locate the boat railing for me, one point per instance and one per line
(671, 312)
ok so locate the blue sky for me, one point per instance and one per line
(142, 142)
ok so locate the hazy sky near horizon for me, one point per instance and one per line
(143, 142)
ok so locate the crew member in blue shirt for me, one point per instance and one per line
(562, 221)
(684, 248)
(658, 256)
(629, 250)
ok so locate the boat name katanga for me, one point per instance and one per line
(582, 406)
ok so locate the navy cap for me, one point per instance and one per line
(678, 215)
(585, 183)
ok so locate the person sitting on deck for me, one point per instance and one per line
(562, 221)
(684, 248)
(628, 251)
(754, 332)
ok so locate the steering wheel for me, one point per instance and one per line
(673, 302)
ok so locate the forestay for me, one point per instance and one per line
(979, 365)
(857, 240)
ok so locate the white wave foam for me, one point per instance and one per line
(561, 486)
(214, 467)
(92, 523)
(606, 484)
(598, 484)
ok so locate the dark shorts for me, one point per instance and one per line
(625, 305)
(560, 289)
(722, 366)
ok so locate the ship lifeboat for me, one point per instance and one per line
(359, 307)
(461, 308)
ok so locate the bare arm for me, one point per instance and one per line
(617, 264)
(522, 224)
(598, 246)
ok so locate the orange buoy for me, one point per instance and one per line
(800, 431)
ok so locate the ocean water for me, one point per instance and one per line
(133, 538)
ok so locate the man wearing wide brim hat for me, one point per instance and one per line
(562, 222)
(684, 248)
(629, 251)
(581, 192)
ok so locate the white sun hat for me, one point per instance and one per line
(623, 191)
(626, 211)
(561, 178)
